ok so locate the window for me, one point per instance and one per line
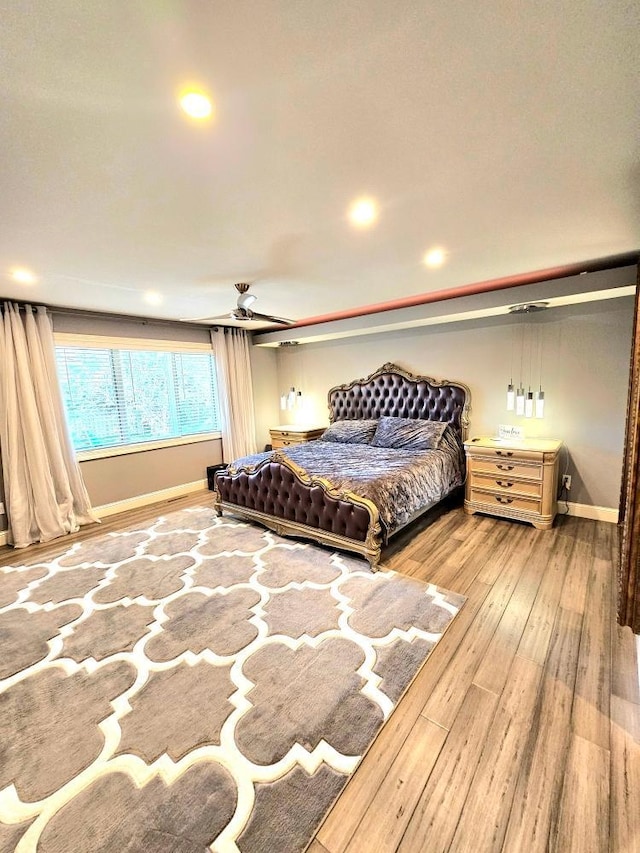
(123, 396)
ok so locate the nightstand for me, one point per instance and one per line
(288, 434)
(513, 479)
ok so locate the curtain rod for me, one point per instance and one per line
(104, 315)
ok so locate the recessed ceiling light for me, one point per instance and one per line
(363, 212)
(23, 275)
(434, 257)
(196, 104)
(153, 297)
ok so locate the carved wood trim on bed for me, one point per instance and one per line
(279, 494)
(392, 391)
(282, 496)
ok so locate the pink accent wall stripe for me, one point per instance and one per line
(478, 287)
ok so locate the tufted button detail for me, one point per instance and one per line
(395, 395)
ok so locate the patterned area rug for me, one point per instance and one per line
(197, 684)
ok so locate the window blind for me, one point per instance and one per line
(115, 397)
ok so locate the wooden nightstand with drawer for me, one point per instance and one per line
(285, 435)
(513, 479)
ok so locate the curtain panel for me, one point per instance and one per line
(45, 495)
(235, 392)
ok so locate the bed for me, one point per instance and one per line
(356, 493)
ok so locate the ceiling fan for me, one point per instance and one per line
(242, 312)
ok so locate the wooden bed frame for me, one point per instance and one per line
(282, 496)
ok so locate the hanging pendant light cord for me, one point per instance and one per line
(530, 354)
(513, 335)
(522, 355)
(540, 356)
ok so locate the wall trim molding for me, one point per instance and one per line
(137, 501)
(150, 498)
(596, 513)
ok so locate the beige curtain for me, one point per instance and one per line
(44, 493)
(235, 392)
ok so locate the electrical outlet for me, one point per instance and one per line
(566, 482)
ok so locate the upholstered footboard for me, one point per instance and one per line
(282, 496)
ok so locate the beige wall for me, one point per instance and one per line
(584, 372)
(118, 478)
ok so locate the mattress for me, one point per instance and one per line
(400, 482)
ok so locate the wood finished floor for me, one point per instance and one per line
(522, 730)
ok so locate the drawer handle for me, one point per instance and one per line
(506, 467)
(286, 442)
(504, 453)
(503, 500)
(504, 484)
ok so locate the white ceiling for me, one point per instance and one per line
(505, 132)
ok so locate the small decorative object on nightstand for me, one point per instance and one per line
(288, 434)
(513, 479)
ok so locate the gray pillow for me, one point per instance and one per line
(408, 434)
(350, 432)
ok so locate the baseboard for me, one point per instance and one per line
(150, 498)
(138, 501)
(597, 513)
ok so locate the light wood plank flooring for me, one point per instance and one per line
(522, 730)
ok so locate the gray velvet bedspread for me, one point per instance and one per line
(399, 482)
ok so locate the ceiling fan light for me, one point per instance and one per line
(246, 300)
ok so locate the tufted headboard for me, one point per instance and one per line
(391, 391)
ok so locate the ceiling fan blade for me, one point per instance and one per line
(242, 313)
(279, 321)
(199, 319)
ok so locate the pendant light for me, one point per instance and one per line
(539, 393)
(520, 391)
(293, 399)
(526, 404)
